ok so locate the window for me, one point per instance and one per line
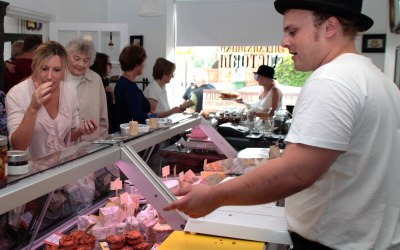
(232, 68)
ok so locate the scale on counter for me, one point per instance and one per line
(264, 223)
(229, 129)
(198, 140)
(201, 144)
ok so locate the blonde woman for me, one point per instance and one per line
(42, 114)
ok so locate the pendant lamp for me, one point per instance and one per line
(110, 43)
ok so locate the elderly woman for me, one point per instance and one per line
(42, 114)
(163, 71)
(130, 103)
(88, 86)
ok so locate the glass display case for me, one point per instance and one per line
(55, 192)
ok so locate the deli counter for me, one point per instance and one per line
(37, 208)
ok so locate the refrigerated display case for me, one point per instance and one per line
(42, 192)
(39, 197)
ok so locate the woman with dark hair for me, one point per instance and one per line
(100, 65)
(130, 103)
(103, 66)
(163, 71)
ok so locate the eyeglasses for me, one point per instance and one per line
(109, 64)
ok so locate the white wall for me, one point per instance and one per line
(81, 11)
(228, 23)
(158, 32)
(153, 29)
(45, 6)
(67, 11)
(379, 12)
(11, 25)
(393, 40)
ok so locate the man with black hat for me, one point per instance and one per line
(340, 170)
(270, 98)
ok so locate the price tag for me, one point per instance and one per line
(26, 219)
(53, 239)
(166, 171)
(107, 179)
(116, 184)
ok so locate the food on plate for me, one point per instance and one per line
(87, 240)
(133, 237)
(109, 215)
(234, 165)
(76, 240)
(78, 234)
(142, 246)
(229, 95)
(51, 247)
(68, 241)
(84, 247)
(127, 248)
(159, 233)
(131, 222)
(115, 241)
(211, 178)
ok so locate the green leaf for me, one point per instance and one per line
(287, 75)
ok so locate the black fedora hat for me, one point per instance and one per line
(342, 8)
(266, 71)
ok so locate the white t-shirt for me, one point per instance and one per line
(154, 91)
(265, 103)
(351, 106)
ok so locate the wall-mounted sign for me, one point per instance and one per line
(237, 63)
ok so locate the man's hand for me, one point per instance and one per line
(196, 202)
